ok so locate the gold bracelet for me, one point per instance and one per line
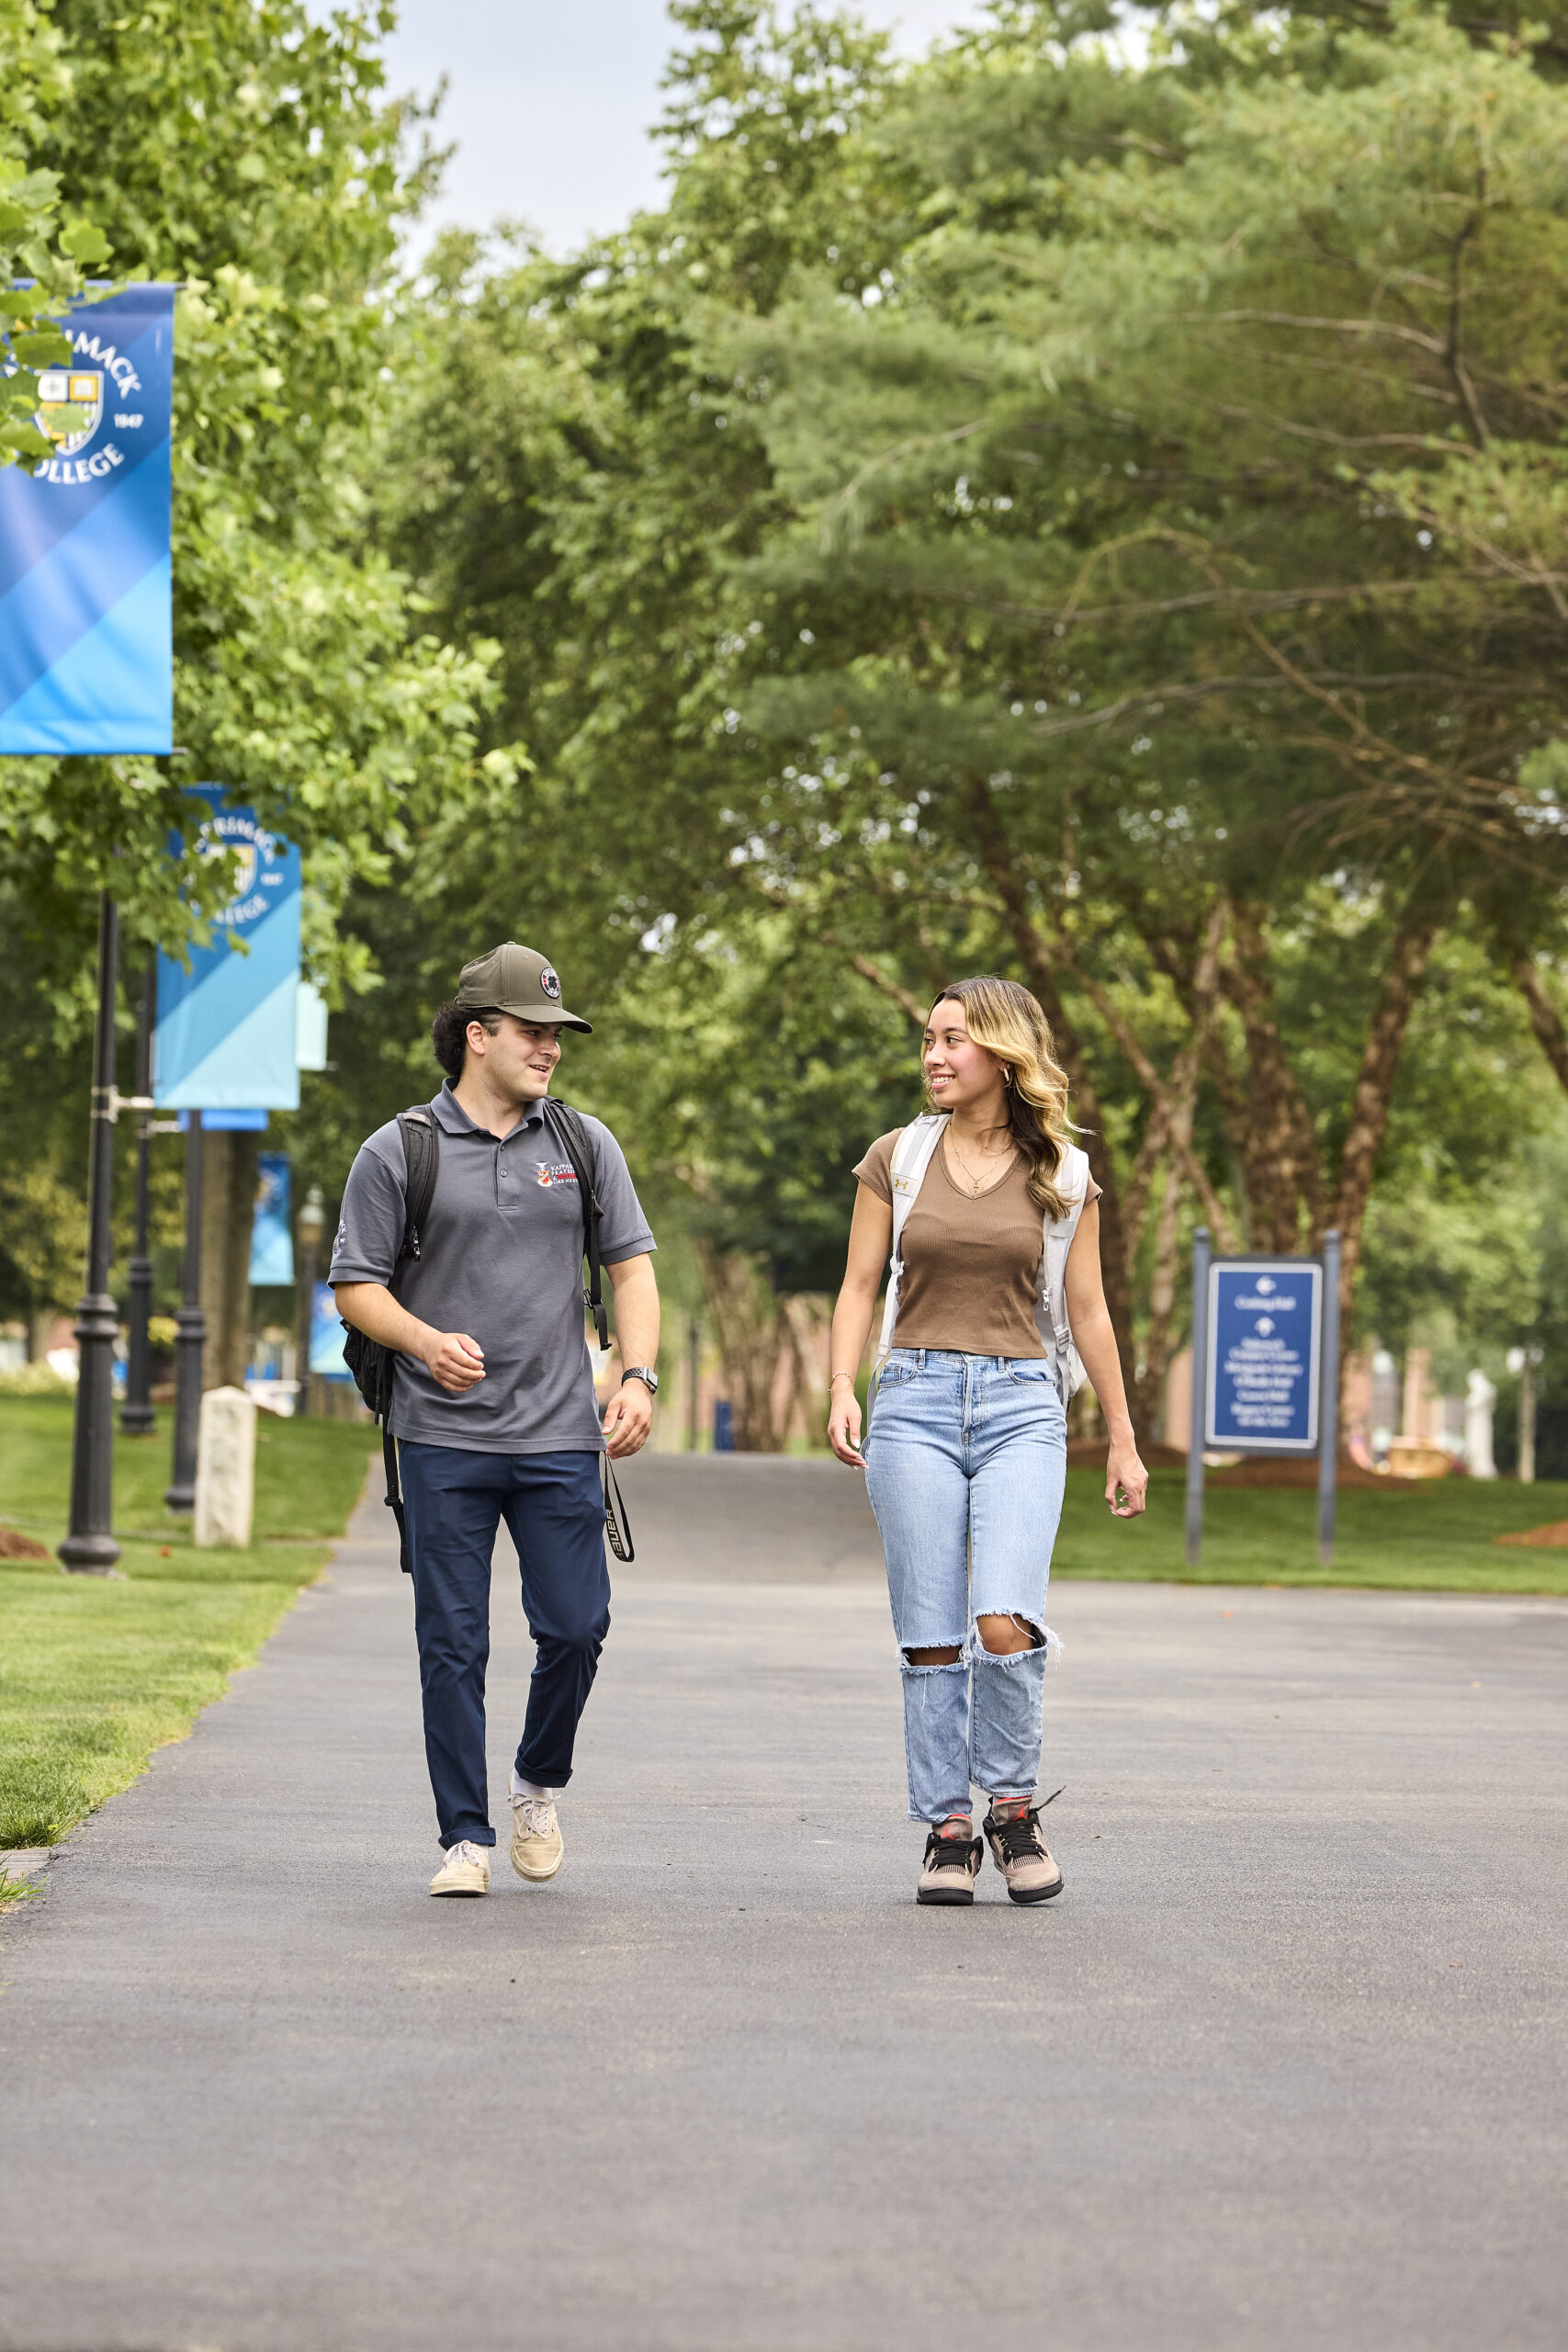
(840, 1375)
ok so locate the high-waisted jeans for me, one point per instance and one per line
(966, 1458)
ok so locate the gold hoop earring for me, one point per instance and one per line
(1007, 1075)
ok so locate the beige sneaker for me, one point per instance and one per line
(538, 1850)
(1020, 1852)
(466, 1870)
(952, 1864)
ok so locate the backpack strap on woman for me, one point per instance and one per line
(1051, 1305)
(906, 1171)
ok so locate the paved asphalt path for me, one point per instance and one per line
(1282, 2068)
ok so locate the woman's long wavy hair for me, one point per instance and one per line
(1009, 1022)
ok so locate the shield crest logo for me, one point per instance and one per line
(71, 406)
(246, 864)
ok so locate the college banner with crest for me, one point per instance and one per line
(226, 1035)
(86, 653)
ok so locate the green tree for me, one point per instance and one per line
(1025, 512)
(1171, 577)
(41, 257)
(303, 676)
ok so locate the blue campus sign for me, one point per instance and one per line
(1265, 1354)
(225, 1036)
(272, 1239)
(327, 1336)
(86, 648)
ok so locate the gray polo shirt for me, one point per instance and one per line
(500, 1258)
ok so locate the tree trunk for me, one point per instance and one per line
(1162, 1302)
(1166, 1269)
(1374, 1088)
(1545, 1019)
(753, 1335)
(1276, 1141)
(807, 1318)
(228, 1209)
(1034, 956)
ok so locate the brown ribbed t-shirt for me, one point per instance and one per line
(971, 1266)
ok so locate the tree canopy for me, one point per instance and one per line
(1070, 505)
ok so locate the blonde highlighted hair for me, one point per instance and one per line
(1009, 1023)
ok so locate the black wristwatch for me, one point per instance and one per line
(646, 1373)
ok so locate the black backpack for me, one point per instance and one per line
(371, 1363)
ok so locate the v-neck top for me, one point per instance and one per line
(971, 1266)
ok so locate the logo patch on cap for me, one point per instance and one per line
(549, 984)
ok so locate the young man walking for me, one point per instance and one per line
(492, 1401)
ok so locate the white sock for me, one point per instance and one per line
(522, 1788)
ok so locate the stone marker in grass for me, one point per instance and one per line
(225, 1470)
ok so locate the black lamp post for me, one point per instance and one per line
(90, 1548)
(310, 1224)
(190, 1336)
(136, 1415)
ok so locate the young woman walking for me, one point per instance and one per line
(994, 1312)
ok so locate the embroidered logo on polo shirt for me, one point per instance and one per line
(563, 1175)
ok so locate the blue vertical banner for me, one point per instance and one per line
(327, 1336)
(86, 639)
(272, 1241)
(226, 1032)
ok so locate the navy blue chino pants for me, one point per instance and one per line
(554, 1505)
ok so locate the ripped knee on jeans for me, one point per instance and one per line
(1010, 1635)
(947, 1653)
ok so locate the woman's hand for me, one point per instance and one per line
(844, 1425)
(1123, 1470)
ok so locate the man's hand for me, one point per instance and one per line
(455, 1361)
(628, 1416)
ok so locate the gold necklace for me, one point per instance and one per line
(977, 1186)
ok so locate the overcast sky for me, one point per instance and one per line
(549, 101)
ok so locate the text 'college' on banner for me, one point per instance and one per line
(87, 636)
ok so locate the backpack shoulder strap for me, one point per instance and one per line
(422, 1157)
(1051, 1306)
(906, 1171)
(422, 1162)
(578, 1140)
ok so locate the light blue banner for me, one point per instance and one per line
(327, 1336)
(272, 1239)
(86, 646)
(226, 1033)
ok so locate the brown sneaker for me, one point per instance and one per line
(953, 1864)
(1012, 1828)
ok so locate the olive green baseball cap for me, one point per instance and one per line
(514, 979)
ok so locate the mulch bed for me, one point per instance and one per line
(1553, 1537)
(14, 1546)
(1301, 1470)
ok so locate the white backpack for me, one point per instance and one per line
(911, 1158)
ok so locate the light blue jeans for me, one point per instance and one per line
(966, 1458)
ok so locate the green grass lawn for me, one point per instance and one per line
(1431, 1535)
(97, 1672)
